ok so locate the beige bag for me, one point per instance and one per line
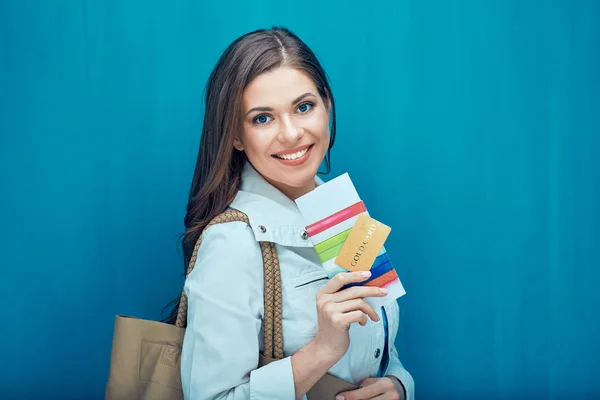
(146, 355)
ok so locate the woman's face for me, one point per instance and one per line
(285, 129)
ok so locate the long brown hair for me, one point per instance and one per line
(217, 177)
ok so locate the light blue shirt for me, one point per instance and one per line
(225, 306)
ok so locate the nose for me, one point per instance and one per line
(290, 132)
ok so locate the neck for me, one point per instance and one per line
(294, 192)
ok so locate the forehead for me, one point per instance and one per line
(277, 88)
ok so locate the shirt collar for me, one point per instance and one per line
(273, 216)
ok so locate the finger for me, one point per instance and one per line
(386, 386)
(344, 278)
(359, 292)
(387, 396)
(358, 304)
(343, 321)
(390, 389)
(366, 392)
(384, 396)
(363, 320)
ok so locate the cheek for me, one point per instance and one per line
(256, 142)
(319, 126)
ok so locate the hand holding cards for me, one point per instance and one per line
(346, 238)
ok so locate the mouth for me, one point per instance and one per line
(295, 156)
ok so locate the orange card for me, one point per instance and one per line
(363, 244)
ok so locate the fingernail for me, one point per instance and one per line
(383, 290)
(366, 274)
(340, 397)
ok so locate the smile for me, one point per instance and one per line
(295, 157)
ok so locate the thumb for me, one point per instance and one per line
(368, 381)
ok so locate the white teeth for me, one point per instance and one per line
(293, 156)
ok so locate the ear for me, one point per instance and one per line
(327, 103)
(238, 144)
(327, 100)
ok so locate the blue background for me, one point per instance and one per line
(470, 127)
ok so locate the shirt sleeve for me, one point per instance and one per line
(395, 368)
(225, 306)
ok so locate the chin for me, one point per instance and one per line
(299, 180)
(301, 183)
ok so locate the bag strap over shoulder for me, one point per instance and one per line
(273, 333)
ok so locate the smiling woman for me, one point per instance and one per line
(287, 138)
(268, 126)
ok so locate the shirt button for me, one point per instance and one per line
(304, 235)
(262, 229)
(377, 353)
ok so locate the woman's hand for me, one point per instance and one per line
(338, 309)
(375, 388)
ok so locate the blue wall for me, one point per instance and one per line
(479, 117)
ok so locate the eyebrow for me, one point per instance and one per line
(296, 100)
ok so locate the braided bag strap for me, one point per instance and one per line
(273, 333)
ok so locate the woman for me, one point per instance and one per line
(266, 131)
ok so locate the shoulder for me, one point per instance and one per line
(229, 250)
(228, 233)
